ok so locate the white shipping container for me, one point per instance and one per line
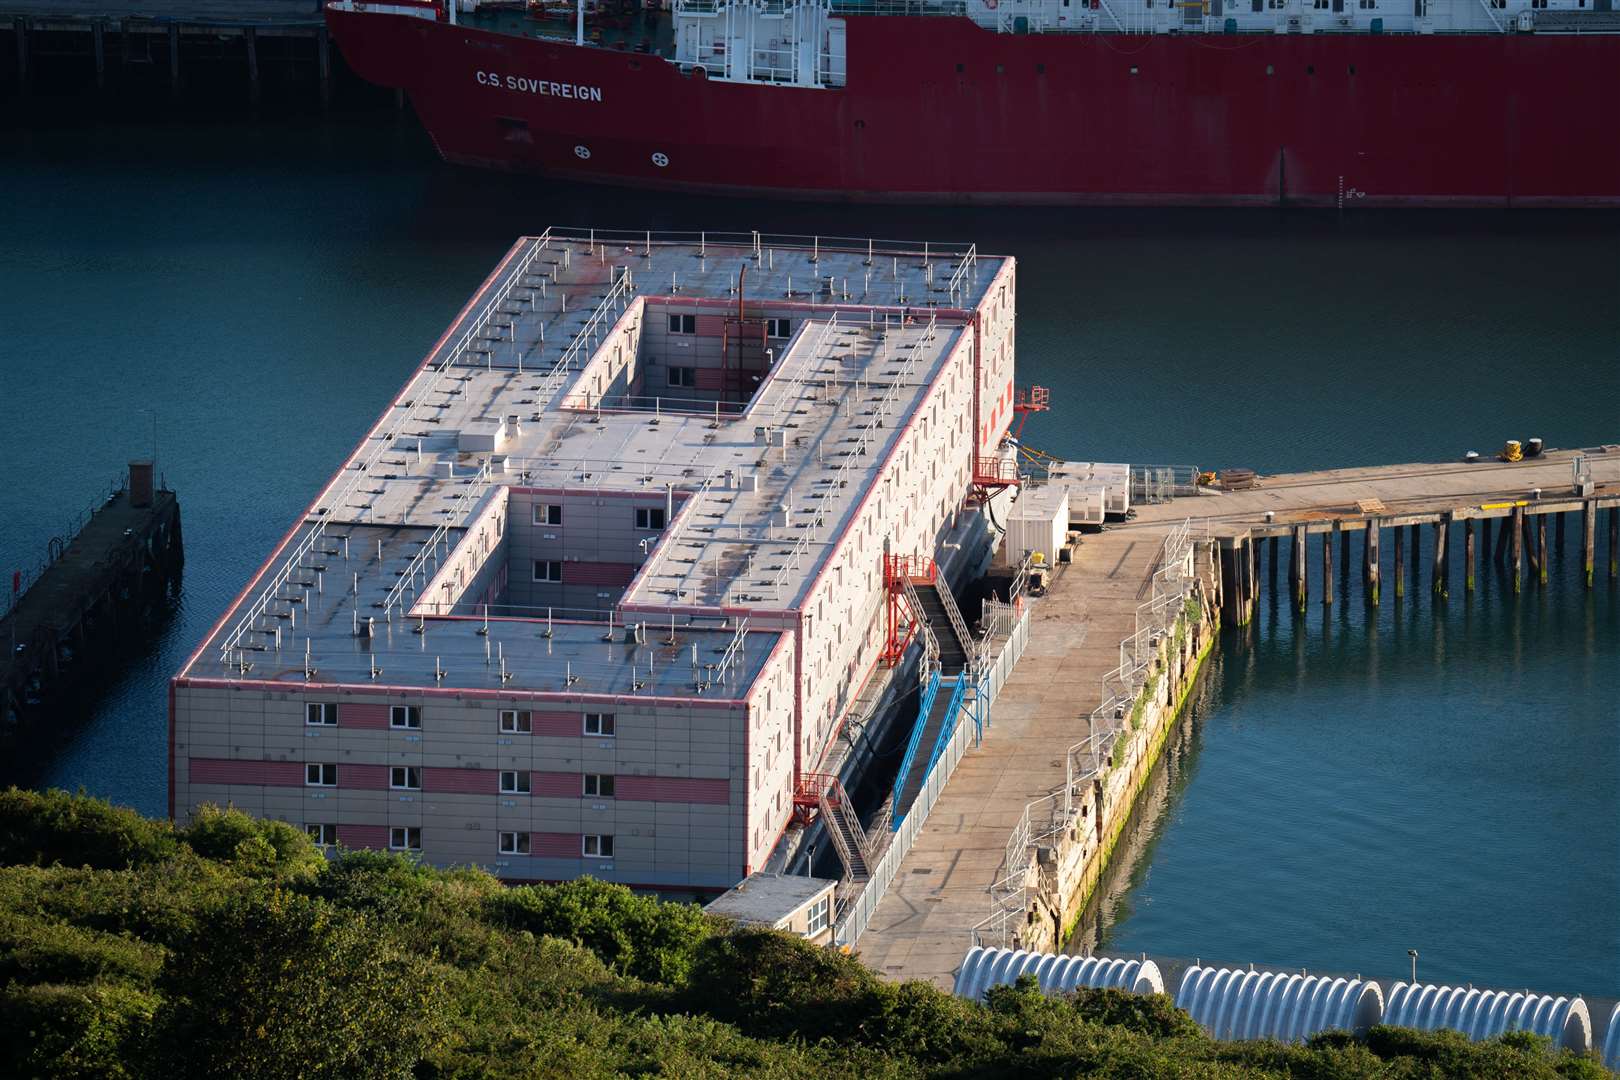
(1039, 522)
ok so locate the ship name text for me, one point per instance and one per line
(548, 88)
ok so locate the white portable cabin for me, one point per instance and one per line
(1088, 501)
(1115, 481)
(1039, 521)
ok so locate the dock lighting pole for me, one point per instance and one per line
(1413, 954)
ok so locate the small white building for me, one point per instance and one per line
(794, 903)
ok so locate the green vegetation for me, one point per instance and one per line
(232, 948)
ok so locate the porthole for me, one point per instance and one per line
(582, 152)
(660, 159)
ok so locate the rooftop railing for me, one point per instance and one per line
(337, 493)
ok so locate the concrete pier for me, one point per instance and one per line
(211, 29)
(94, 584)
(952, 889)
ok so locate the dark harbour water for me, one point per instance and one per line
(1446, 780)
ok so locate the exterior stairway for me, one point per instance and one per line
(940, 703)
(845, 830)
(952, 649)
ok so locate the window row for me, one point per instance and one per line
(409, 778)
(648, 518)
(409, 838)
(687, 324)
(325, 714)
(409, 718)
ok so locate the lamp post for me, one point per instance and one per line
(1413, 953)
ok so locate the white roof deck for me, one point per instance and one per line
(869, 343)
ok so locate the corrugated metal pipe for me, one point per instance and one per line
(984, 968)
(1485, 1014)
(1231, 1003)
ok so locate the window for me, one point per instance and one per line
(323, 713)
(405, 716)
(597, 845)
(547, 570)
(516, 722)
(405, 838)
(405, 778)
(598, 786)
(324, 835)
(682, 376)
(320, 775)
(514, 843)
(514, 783)
(683, 324)
(599, 723)
(778, 327)
(547, 514)
(818, 915)
(650, 517)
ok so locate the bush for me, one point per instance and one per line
(255, 847)
(275, 984)
(34, 951)
(635, 935)
(55, 828)
(71, 1031)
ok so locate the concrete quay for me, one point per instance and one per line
(1019, 837)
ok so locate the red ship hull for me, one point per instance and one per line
(1324, 119)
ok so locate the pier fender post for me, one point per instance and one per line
(1468, 555)
(253, 64)
(1417, 557)
(1297, 568)
(323, 56)
(19, 27)
(1541, 549)
(1588, 539)
(1400, 563)
(1516, 539)
(1614, 541)
(174, 60)
(98, 30)
(1253, 595)
(1440, 576)
(1369, 562)
(1327, 568)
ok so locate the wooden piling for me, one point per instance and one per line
(1417, 557)
(1468, 555)
(1541, 545)
(98, 32)
(1253, 599)
(1327, 568)
(174, 60)
(253, 63)
(1500, 556)
(1400, 563)
(19, 27)
(323, 56)
(1369, 563)
(1440, 577)
(1614, 541)
(1296, 567)
(1588, 539)
(1530, 553)
(1516, 540)
(1559, 541)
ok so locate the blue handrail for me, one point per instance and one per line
(925, 705)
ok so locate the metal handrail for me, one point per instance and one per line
(449, 356)
(880, 411)
(429, 548)
(1170, 584)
